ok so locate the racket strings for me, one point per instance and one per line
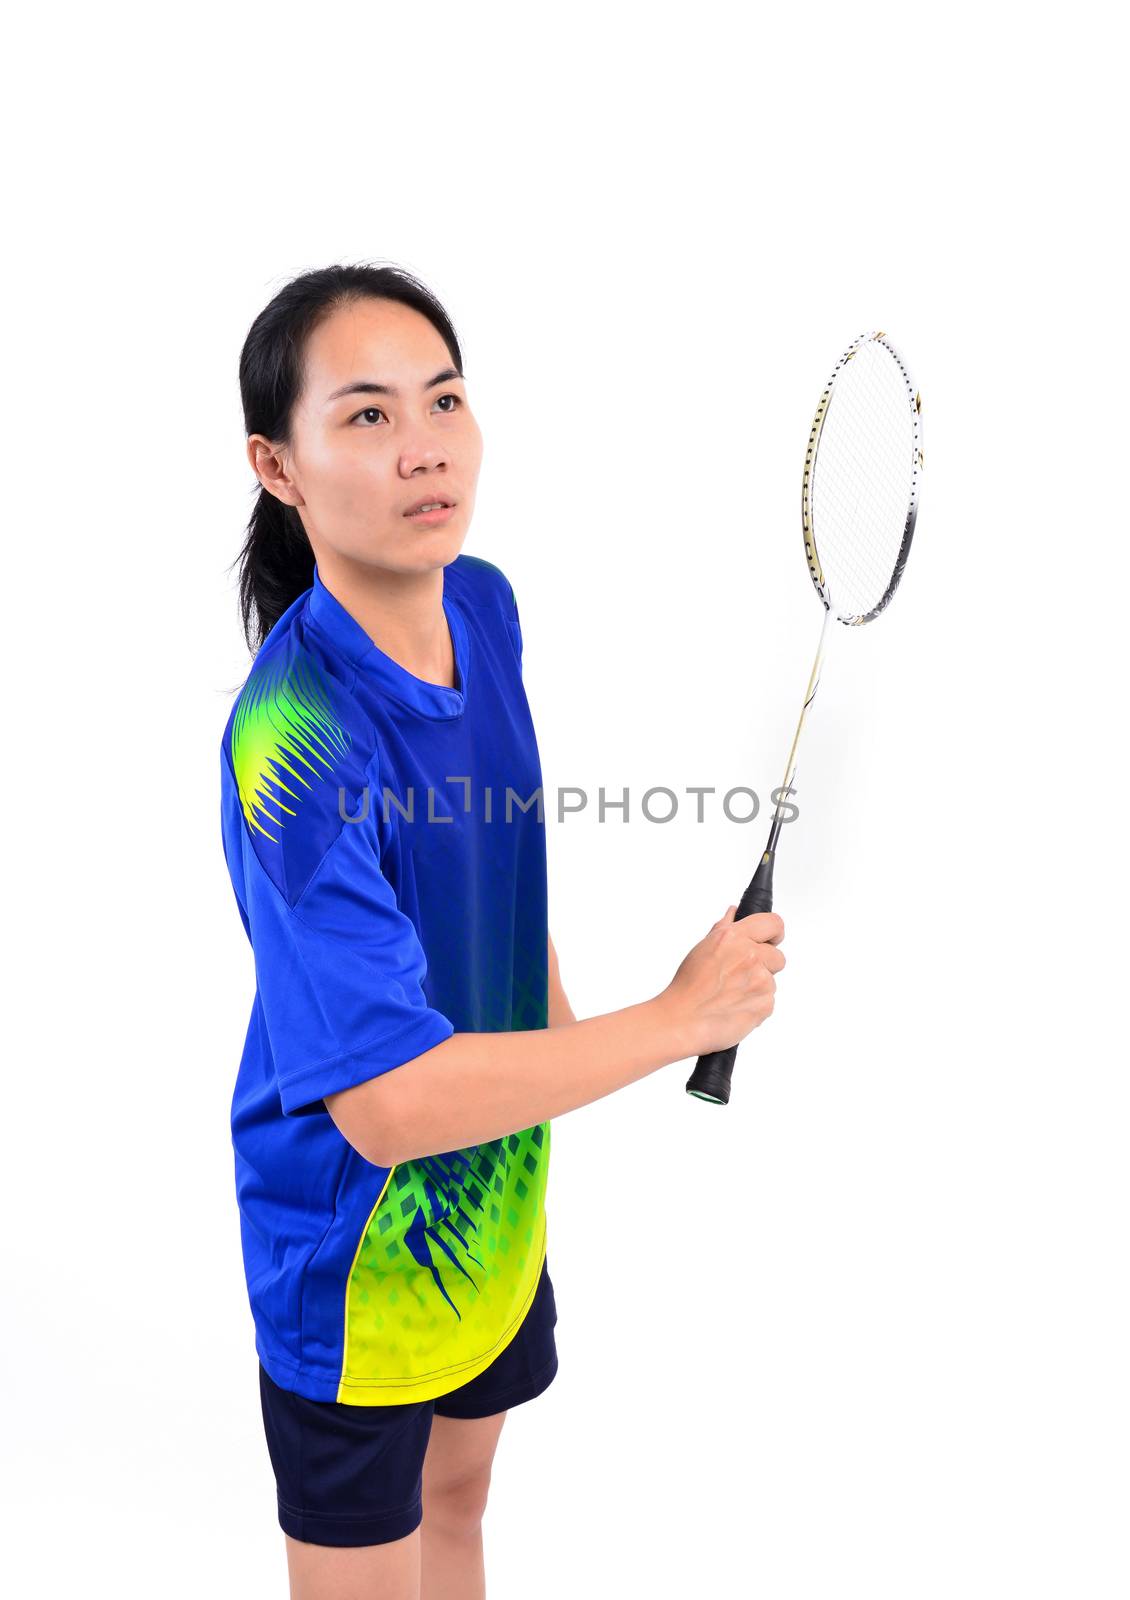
(863, 480)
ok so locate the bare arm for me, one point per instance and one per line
(559, 1008)
(475, 1087)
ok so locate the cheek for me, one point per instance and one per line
(351, 477)
(472, 446)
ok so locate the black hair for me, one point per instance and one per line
(276, 559)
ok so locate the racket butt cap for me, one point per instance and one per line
(710, 1080)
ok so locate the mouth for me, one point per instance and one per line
(431, 511)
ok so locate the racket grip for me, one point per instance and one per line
(711, 1077)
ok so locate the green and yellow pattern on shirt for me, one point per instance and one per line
(446, 1269)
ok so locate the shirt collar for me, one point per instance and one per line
(346, 633)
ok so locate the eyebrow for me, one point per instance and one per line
(370, 385)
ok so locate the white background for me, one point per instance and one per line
(865, 1331)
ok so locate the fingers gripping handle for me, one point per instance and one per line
(710, 1079)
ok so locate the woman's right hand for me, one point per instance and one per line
(725, 985)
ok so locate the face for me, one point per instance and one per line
(382, 423)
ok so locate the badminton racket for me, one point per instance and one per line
(859, 504)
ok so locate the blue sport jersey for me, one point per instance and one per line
(386, 843)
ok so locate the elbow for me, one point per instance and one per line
(384, 1158)
(368, 1118)
(384, 1142)
(385, 1118)
(379, 1150)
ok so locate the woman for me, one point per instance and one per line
(410, 1039)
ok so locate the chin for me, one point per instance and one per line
(435, 547)
(422, 550)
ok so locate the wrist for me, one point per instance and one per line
(671, 1027)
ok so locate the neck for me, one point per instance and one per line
(402, 612)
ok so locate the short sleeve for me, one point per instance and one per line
(340, 973)
(514, 627)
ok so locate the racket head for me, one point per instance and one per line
(859, 497)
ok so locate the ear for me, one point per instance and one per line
(269, 466)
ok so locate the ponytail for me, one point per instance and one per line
(277, 566)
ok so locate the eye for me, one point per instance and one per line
(370, 411)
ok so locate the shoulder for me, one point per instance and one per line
(481, 582)
(300, 750)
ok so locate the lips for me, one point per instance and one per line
(429, 500)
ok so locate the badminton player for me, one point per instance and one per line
(410, 1040)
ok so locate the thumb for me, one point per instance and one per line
(729, 916)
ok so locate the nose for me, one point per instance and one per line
(425, 458)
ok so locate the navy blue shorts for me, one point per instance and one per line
(353, 1475)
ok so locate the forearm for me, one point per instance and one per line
(475, 1087)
